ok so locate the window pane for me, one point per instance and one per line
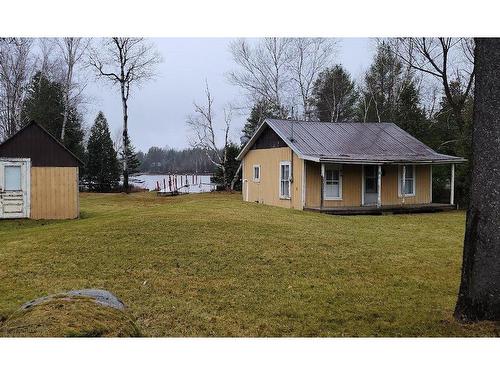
(256, 173)
(409, 171)
(332, 190)
(409, 186)
(13, 178)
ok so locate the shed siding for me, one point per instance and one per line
(267, 189)
(54, 193)
(37, 144)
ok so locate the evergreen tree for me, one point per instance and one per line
(231, 167)
(128, 151)
(102, 169)
(44, 104)
(409, 114)
(334, 95)
(261, 110)
(383, 83)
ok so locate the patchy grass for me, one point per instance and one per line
(212, 265)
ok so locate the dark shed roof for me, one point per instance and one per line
(36, 143)
(351, 142)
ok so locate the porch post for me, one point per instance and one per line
(403, 184)
(379, 186)
(322, 185)
(452, 185)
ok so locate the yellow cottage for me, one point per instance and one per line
(340, 168)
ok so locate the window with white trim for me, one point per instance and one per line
(285, 173)
(409, 184)
(333, 182)
(256, 173)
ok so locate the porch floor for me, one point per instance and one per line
(392, 209)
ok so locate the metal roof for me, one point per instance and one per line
(351, 142)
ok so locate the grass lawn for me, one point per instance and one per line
(212, 265)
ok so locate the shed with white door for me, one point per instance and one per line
(38, 176)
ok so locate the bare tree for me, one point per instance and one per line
(447, 59)
(263, 70)
(72, 51)
(125, 62)
(16, 69)
(203, 129)
(307, 58)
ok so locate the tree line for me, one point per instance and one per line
(44, 80)
(424, 85)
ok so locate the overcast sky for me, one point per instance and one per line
(158, 110)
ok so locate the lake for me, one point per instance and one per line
(185, 183)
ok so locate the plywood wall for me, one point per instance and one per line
(267, 189)
(54, 193)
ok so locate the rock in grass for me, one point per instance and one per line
(78, 313)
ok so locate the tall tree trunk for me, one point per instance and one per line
(69, 76)
(479, 295)
(236, 175)
(124, 139)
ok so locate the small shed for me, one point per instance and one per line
(38, 176)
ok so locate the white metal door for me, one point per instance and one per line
(14, 188)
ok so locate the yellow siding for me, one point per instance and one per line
(267, 189)
(390, 186)
(54, 193)
(352, 186)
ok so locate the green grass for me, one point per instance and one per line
(212, 265)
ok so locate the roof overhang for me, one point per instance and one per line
(337, 160)
(378, 162)
(257, 134)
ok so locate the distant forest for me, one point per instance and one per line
(169, 160)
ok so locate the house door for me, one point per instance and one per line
(370, 185)
(14, 188)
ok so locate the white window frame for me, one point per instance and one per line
(400, 177)
(254, 167)
(282, 163)
(334, 167)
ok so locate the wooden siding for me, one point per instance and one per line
(40, 146)
(390, 192)
(267, 189)
(352, 186)
(54, 193)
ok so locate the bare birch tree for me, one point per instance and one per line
(125, 62)
(203, 129)
(16, 69)
(307, 58)
(72, 50)
(263, 70)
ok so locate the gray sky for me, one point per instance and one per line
(158, 109)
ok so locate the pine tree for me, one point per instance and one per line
(44, 104)
(102, 169)
(382, 86)
(231, 168)
(334, 95)
(128, 151)
(261, 110)
(409, 114)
